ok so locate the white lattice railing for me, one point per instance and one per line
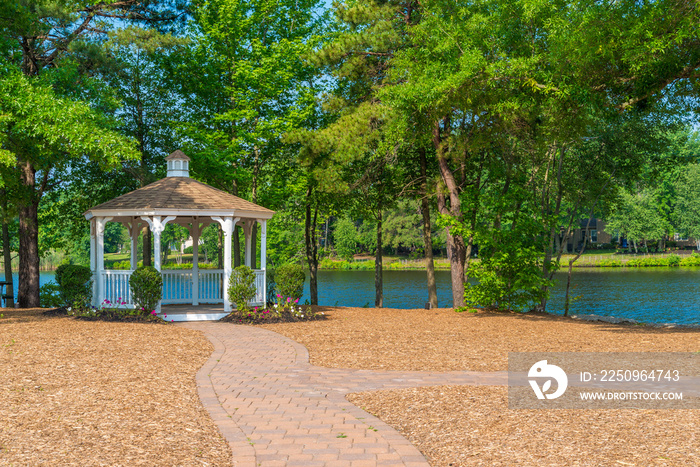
(116, 287)
(177, 286)
(211, 285)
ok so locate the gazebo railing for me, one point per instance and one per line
(211, 285)
(259, 288)
(116, 287)
(177, 286)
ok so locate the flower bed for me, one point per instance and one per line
(284, 311)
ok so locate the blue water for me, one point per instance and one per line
(653, 295)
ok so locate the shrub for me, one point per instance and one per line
(146, 287)
(190, 250)
(50, 295)
(610, 263)
(241, 287)
(674, 260)
(692, 260)
(75, 285)
(290, 281)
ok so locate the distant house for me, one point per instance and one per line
(594, 231)
(597, 237)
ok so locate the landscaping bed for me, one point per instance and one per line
(102, 393)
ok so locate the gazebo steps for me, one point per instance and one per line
(192, 313)
(177, 317)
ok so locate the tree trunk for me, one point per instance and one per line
(7, 254)
(571, 265)
(456, 250)
(378, 279)
(147, 241)
(28, 290)
(219, 248)
(311, 246)
(236, 247)
(253, 241)
(427, 233)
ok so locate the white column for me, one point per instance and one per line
(227, 225)
(263, 255)
(196, 231)
(100, 224)
(93, 261)
(157, 225)
(134, 229)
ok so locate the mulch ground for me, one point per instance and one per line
(101, 393)
(443, 340)
(464, 426)
(472, 425)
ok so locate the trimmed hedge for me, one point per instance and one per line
(146, 288)
(74, 284)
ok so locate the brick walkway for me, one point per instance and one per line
(275, 409)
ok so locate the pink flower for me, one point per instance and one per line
(172, 320)
(119, 299)
(289, 299)
(154, 312)
(279, 296)
(296, 301)
(165, 316)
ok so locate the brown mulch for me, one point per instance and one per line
(102, 393)
(472, 425)
(443, 340)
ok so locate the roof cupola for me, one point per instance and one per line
(178, 164)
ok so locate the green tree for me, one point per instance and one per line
(43, 133)
(59, 43)
(345, 237)
(687, 210)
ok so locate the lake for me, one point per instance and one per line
(655, 295)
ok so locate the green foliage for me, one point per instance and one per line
(75, 284)
(508, 276)
(692, 260)
(50, 295)
(609, 263)
(146, 285)
(687, 210)
(289, 279)
(241, 287)
(345, 237)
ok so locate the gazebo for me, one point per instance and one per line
(191, 204)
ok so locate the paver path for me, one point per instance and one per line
(275, 409)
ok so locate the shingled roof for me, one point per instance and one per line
(179, 193)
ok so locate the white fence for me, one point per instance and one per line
(178, 286)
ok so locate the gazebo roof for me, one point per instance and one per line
(177, 154)
(177, 195)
